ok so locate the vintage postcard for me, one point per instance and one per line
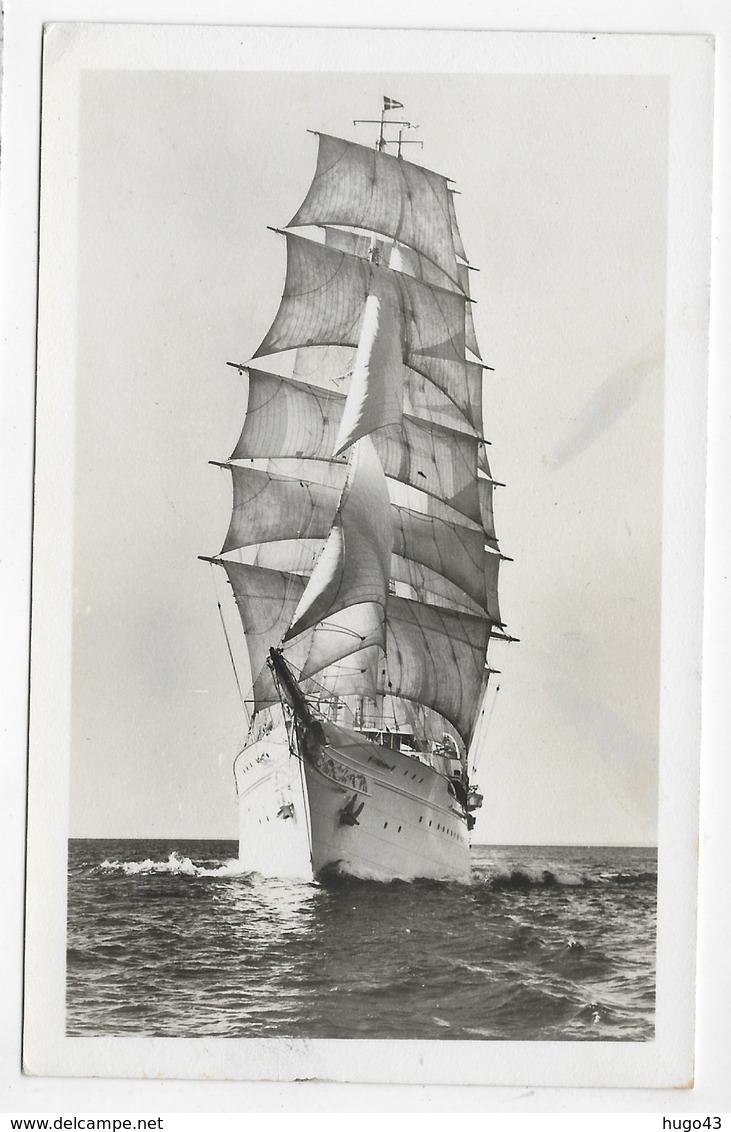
(368, 545)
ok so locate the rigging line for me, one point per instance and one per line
(484, 729)
(290, 581)
(228, 644)
(249, 732)
(292, 742)
(344, 491)
(316, 687)
(306, 807)
(291, 576)
(343, 629)
(394, 712)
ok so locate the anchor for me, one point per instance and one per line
(349, 814)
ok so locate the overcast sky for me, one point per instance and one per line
(563, 184)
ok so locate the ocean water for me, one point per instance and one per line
(169, 938)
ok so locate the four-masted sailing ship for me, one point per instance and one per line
(361, 551)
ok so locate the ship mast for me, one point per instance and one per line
(382, 122)
(362, 539)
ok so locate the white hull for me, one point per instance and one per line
(273, 834)
(362, 810)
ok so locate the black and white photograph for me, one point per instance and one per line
(369, 709)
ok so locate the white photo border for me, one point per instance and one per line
(666, 1062)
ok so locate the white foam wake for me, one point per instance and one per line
(174, 866)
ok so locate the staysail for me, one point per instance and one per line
(362, 538)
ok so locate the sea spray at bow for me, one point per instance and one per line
(170, 938)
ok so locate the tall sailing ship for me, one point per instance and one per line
(361, 550)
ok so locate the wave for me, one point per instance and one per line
(336, 876)
(528, 878)
(537, 877)
(175, 866)
(630, 878)
(484, 876)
